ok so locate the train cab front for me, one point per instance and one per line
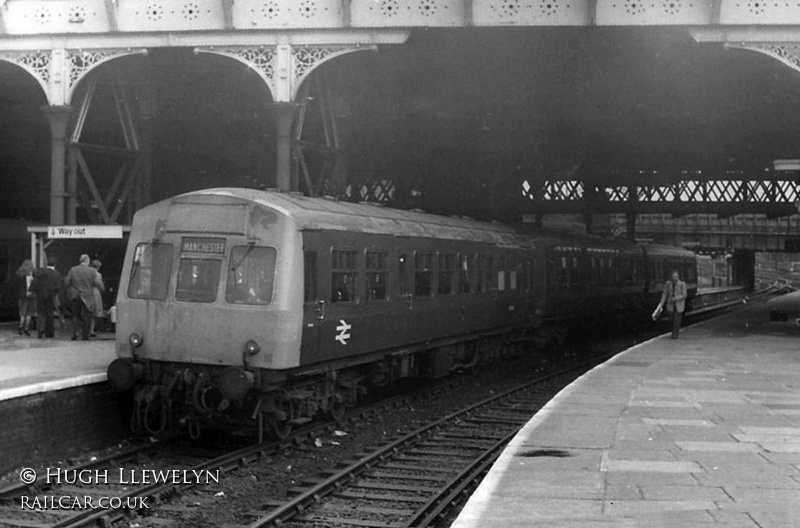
(204, 322)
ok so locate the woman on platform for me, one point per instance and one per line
(26, 298)
(98, 300)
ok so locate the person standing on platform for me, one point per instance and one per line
(26, 299)
(98, 300)
(45, 285)
(673, 299)
(81, 281)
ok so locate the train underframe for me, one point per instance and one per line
(169, 396)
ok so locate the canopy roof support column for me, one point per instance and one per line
(286, 179)
(285, 64)
(58, 117)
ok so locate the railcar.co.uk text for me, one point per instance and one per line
(117, 477)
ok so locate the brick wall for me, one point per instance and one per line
(44, 428)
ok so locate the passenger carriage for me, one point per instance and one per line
(244, 306)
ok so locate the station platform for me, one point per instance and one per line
(703, 430)
(31, 365)
(54, 399)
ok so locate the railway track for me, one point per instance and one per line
(415, 480)
(40, 496)
(118, 491)
(430, 469)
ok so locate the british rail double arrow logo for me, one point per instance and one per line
(344, 332)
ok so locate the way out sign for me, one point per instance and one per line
(85, 231)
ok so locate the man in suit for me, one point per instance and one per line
(673, 299)
(81, 281)
(45, 285)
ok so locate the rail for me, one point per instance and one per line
(415, 479)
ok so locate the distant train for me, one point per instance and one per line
(246, 307)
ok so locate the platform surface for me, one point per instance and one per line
(694, 432)
(29, 365)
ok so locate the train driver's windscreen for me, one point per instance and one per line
(152, 267)
(251, 275)
(198, 279)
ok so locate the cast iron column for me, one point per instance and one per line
(58, 117)
(284, 121)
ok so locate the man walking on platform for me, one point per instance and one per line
(81, 280)
(674, 300)
(45, 285)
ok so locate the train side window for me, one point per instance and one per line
(491, 265)
(574, 272)
(423, 274)
(376, 275)
(481, 267)
(251, 275)
(562, 272)
(465, 265)
(523, 277)
(447, 264)
(310, 290)
(151, 270)
(198, 279)
(343, 275)
(529, 275)
(501, 273)
(402, 274)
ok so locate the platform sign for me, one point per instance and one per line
(85, 231)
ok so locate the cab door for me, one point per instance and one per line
(313, 305)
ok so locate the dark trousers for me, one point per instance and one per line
(676, 317)
(81, 316)
(45, 307)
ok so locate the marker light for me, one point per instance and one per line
(252, 348)
(135, 340)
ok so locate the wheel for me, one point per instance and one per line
(337, 409)
(277, 429)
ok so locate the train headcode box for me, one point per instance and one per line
(85, 231)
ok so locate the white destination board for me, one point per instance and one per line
(84, 231)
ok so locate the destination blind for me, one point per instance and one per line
(209, 246)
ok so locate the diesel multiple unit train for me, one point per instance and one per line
(239, 306)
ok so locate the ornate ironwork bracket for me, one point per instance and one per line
(284, 67)
(37, 63)
(59, 71)
(786, 52)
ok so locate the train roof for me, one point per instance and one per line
(325, 214)
(567, 241)
(662, 250)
